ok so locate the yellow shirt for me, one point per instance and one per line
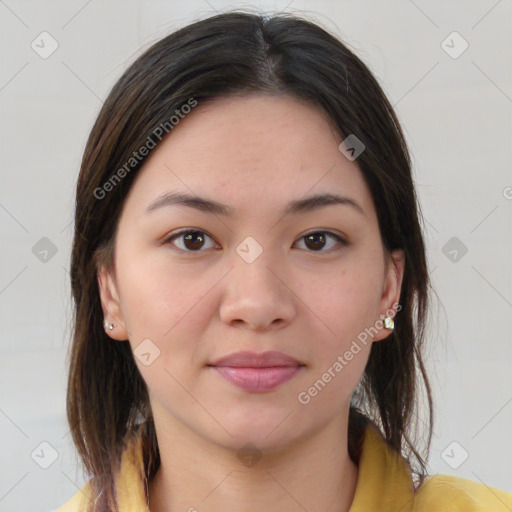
(384, 485)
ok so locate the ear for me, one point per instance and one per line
(111, 305)
(391, 291)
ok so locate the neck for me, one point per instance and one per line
(315, 473)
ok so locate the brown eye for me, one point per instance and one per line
(192, 240)
(316, 240)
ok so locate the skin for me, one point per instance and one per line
(310, 301)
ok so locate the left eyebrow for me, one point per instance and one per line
(306, 204)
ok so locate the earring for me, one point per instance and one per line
(389, 323)
(108, 326)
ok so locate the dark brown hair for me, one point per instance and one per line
(237, 53)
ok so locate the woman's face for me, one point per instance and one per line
(249, 279)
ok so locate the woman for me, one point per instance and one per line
(251, 286)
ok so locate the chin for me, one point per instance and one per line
(268, 430)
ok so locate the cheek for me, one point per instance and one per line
(345, 301)
(157, 297)
(173, 310)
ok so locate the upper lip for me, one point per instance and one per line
(246, 359)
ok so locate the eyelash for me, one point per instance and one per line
(170, 239)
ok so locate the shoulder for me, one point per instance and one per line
(79, 502)
(445, 493)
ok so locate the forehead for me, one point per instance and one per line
(250, 152)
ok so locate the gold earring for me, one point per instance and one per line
(389, 323)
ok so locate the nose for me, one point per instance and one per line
(257, 295)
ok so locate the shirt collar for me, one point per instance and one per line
(384, 480)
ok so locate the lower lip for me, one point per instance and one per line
(257, 380)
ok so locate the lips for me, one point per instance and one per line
(254, 360)
(257, 373)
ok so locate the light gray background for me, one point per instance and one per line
(456, 113)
